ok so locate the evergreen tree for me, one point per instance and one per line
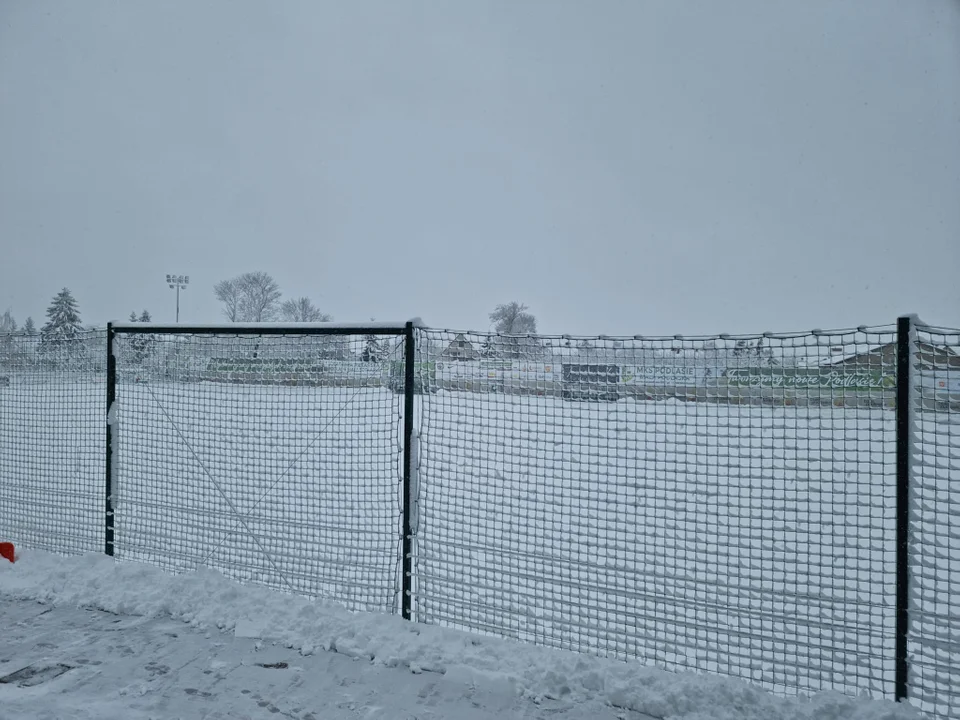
(489, 347)
(373, 350)
(63, 320)
(25, 349)
(140, 343)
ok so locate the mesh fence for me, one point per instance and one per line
(719, 504)
(934, 639)
(52, 404)
(724, 504)
(273, 458)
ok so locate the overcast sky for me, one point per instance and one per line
(622, 166)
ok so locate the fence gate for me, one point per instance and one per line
(271, 453)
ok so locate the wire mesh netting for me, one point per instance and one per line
(716, 504)
(934, 638)
(273, 458)
(725, 504)
(52, 400)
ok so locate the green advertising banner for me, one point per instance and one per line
(809, 378)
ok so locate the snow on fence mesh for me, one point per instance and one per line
(716, 504)
(934, 639)
(52, 404)
(719, 504)
(273, 458)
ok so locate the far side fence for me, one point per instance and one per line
(782, 508)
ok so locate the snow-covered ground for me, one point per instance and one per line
(89, 637)
(698, 536)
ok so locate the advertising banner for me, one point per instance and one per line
(809, 378)
(458, 370)
(533, 372)
(499, 370)
(669, 375)
(352, 368)
(944, 382)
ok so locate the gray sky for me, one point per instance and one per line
(622, 166)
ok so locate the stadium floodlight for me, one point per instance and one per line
(178, 282)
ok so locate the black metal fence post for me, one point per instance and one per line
(904, 413)
(111, 420)
(409, 375)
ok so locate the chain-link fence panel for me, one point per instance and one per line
(934, 541)
(717, 504)
(274, 458)
(52, 405)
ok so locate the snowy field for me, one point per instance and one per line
(753, 542)
(296, 488)
(126, 641)
(747, 541)
(52, 461)
(934, 639)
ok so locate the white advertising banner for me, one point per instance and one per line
(456, 370)
(499, 371)
(533, 372)
(669, 375)
(940, 382)
(352, 368)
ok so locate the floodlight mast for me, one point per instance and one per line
(178, 282)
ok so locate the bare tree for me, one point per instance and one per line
(513, 319)
(228, 292)
(261, 295)
(251, 297)
(302, 309)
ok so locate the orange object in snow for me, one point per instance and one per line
(6, 550)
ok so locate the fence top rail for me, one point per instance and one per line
(938, 329)
(267, 328)
(789, 335)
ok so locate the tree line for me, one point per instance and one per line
(63, 321)
(249, 297)
(255, 297)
